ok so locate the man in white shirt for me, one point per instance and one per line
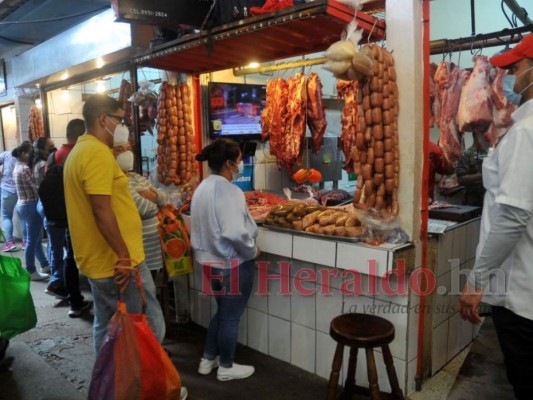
(503, 272)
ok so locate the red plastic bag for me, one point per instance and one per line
(132, 364)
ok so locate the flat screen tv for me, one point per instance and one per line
(235, 109)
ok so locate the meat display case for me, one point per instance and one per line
(302, 29)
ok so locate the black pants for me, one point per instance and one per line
(515, 334)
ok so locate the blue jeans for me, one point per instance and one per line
(56, 245)
(9, 200)
(105, 297)
(223, 330)
(34, 224)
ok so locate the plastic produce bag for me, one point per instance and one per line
(131, 364)
(17, 311)
(175, 242)
(379, 226)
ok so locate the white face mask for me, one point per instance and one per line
(236, 175)
(125, 161)
(120, 135)
(508, 87)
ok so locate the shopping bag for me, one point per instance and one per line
(175, 243)
(132, 364)
(17, 311)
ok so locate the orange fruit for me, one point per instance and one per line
(175, 248)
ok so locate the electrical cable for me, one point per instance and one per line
(38, 21)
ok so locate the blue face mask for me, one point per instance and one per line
(508, 87)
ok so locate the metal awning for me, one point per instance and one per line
(303, 29)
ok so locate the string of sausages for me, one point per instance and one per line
(36, 126)
(176, 145)
(375, 154)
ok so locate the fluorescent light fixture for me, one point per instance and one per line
(253, 65)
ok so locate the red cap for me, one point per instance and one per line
(524, 49)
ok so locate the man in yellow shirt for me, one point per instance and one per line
(105, 226)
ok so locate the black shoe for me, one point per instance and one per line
(4, 344)
(57, 292)
(76, 312)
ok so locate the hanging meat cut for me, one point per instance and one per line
(278, 104)
(316, 118)
(266, 114)
(295, 123)
(347, 91)
(475, 107)
(502, 109)
(449, 80)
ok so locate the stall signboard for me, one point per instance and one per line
(163, 13)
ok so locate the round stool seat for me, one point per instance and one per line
(361, 330)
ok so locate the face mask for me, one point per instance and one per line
(508, 87)
(125, 161)
(120, 135)
(236, 175)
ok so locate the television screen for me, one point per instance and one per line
(235, 109)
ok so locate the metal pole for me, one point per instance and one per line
(473, 16)
(279, 66)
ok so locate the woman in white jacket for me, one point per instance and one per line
(223, 238)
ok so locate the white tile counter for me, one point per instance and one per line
(326, 278)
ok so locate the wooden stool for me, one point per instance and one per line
(362, 331)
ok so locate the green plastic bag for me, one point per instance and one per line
(17, 311)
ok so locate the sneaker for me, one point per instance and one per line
(9, 246)
(206, 366)
(76, 312)
(184, 393)
(37, 276)
(23, 245)
(57, 292)
(45, 269)
(235, 372)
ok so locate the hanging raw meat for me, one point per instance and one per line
(475, 107)
(434, 101)
(347, 90)
(449, 80)
(502, 109)
(279, 99)
(316, 118)
(294, 133)
(266, 114)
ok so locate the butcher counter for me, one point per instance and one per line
(302, 283)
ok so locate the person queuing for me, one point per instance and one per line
(27, 197)
(148, 200)
(8, 202)
(64, 282)
(104, 224)
(502, 274)
(223, 238)
(468, 170)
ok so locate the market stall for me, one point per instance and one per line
(327, 272)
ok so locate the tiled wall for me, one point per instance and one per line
(295, 328)
(450, 334)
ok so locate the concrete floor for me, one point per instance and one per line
(54, 362)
